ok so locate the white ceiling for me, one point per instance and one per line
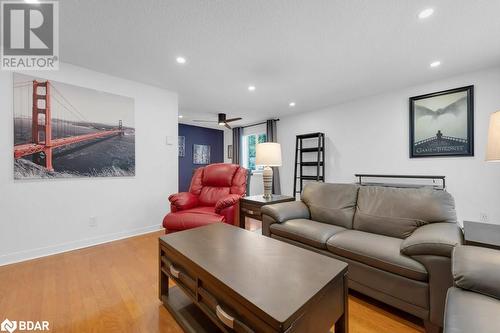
(314, 52)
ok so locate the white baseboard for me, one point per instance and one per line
(15, 257)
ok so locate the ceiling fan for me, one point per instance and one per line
(221, 120)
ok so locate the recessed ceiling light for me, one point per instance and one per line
(425, 13)
(31, 1)
(435, 64)
(251, 88)
(292, 104)
(181, 116)
(180, 60)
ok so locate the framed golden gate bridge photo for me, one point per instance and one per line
(64, 131)
(442, 123)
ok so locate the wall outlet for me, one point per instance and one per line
(93, 221)
(483, 217)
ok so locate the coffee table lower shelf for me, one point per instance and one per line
(187, 314)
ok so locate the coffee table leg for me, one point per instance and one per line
(240, 215)
(342, 324)
(162, 278)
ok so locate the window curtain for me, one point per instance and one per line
(272, 136)
(237, 133)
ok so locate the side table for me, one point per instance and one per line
(250, 206)
(482, 234)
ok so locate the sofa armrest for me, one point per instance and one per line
(477, 269)
(226, 202)
(183, 200)
(284, 211)
(437, 239)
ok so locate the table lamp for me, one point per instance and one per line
(268, 154)
(493, 150)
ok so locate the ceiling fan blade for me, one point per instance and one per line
(204, 121)
(233, 119)
(229, 127)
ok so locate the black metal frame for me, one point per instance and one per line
(470, 121)
(360, 177)
(299, 164)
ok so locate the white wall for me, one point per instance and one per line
(48, 216)
(370, 135)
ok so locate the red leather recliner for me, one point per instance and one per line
(212, 197)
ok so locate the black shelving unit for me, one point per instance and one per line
(316, 150)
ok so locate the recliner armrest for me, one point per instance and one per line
(477, 269)
(433, 239)
(183, 200)
(226, 202)
(284, 211)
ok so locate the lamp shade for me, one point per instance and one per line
(268, 154)
(493, 150)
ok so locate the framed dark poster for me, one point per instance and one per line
(442, 123)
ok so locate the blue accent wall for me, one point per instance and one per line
(200, 136)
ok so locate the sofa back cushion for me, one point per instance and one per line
(210, 195)
(216, 181)
(239, 184)
(397, 212)
(219, 174)
(331, 203)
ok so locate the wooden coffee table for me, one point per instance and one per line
(228, 279)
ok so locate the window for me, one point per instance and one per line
(248, 151)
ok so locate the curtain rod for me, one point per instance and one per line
(261, 123)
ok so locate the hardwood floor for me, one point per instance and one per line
(113, 288)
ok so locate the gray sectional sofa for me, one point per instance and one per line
(473, 304)
(397, 241)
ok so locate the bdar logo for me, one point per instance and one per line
(30, 35)
(8, 326)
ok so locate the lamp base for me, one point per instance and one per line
(267, 176)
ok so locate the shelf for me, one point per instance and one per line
(310, 135)
(315, 146)
(188, 315)
(311, 150)
(311, 163)
(310, 178)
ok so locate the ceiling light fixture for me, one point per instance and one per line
(181, 60)
(292, 104)
(425, 13)
(251, 88)
(32, 1)
(181, 116)
(435, 64)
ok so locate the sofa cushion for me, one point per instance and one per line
(477, 269)
(210, 195)
(191, 218)
(306, 231)
(219, 174)
(397, 212)
(467, 312)
(239, 184)
(331, 203)
(378, 251)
